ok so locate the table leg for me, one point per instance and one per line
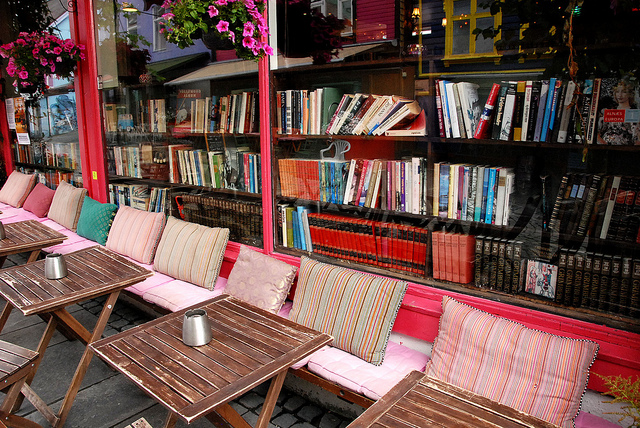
(83, 366)
(33, 256)
(2, 260)
(4, 316)
(271, 399)
(171, 420)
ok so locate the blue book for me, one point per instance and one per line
(252, 186)
(490, 195)
(443, 197)
(542, 103)
(332, 177)
(295, 219)
(465, 192)
(485, 190)
(554, 104)
(302, 238)
(547, 110)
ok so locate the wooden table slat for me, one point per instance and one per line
(53, 288)
(199, 365)
(28, 235)
(216, 361)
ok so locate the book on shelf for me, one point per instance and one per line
(185, 121)
(509, 112)
(618, 121)
(518, 111)
(486, 118)
(499, 111)
(541, 278)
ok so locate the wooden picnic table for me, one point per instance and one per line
(422, 401)
(93, 272)
(29, 235)
(249, 346)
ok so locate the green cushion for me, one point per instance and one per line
(95, 220)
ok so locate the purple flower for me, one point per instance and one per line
(222, 25)
(248, 29)
(24, 74)
(213, 11)
(248, 42)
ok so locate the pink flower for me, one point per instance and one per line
(213, 11)
(263, 30)
(35, 51)
(250, 4)
(167, 4)
(11, 68)
(267, 49)
(222, 25)
(82, 56)
(68, 45)
(232, 36)
(24, 74)
(248, 29)
(222, 2)
(248, 42)
(255, 50)
(53, 68)
(57, 50)
(59, 59)
(44, 62)
(21, 42)
(168, 16)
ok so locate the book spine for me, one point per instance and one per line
(634, 298)
(594, 291)
(508, 266)
(482, 130)
(542, 106)
(479, 242)
(578, 278)
(593, 111)
(441, 128)
(499, 110)
(502, 246)
(517, 267)
(551, 94)
(493, 264)
(562, 275)
(569, 277)
(585, 297)
(604, 294)
(614, 284)
(553, 223)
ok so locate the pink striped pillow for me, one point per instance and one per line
(357, 309)
(17, 188)
(191, 252)
(66, 205)
(135, 233)
(535, 372)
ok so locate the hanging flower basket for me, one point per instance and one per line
(237, 21)
(33, 56)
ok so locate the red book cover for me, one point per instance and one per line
(327, 234)
(482, 130)
(361, 181)
(316, 233)
(403, 254)
(356, 239)
(385, 244)
(425, 246)
(443, 256)
(346, 242)
(413, 238)
(455, 257)
(436, 235)
(448, 256)
(394, 247)
(466, 247)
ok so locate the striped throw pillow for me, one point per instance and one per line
(135, 233)
(17, 188)
(191, 252)
(535, 372)
(357, 309)
(66, 205)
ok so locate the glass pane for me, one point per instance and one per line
(461, 7)
(484, 45)
(461, 37)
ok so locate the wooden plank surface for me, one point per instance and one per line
(92, 272)
(28, 235)
(13, 361)
(420, 401)
(249, 346)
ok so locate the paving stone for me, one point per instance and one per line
(294, 402)
(238, 407)
(119, 324)
(309, 412)
(251, 400)
(302, 425)
(330, 420)
(286, 420)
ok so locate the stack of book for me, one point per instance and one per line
(453, 256)
(139, 196)
(127, 161)
(554, 110)
(600, 206)
(328, 111)
(599, 281)
(473, 192)
(397, 185)
(498, 264)
(241, 170)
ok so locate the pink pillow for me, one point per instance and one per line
(39, 200)
(17, 188)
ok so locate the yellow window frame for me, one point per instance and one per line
(475, 14)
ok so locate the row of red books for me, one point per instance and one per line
(387, 245)
(453, 256)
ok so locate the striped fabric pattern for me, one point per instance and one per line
(191, 252)
(357, 309)
(135, 233)
(538, 373)
(17, 188)
(66, 205)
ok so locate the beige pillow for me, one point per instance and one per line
(135, 233)
(66, 205)
(17, 188)
(260, 280)
(191, 252)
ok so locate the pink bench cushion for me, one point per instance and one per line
(587, 420)
(150, 283)
(14, 215)
(355, 374)
(176, 294)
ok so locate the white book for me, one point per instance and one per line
(501, 192)
(507, 116)
(347, 113)
(615, 186)
(451, 107)
(509, 189)
(348, 185)
(376, 188)
(361, 126)
(408, 186)
(470, 104)
(380, 114)
(436, 189)
(415, 185)
(526, 110)
(566, 112)
(445, 108)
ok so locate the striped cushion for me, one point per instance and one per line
(191, 252)
(357, 309)
(535, 372)
(66, 205)
(17, 188)
(135, 233)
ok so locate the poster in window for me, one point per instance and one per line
(62, 113)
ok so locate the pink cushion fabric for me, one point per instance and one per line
(260, 280)
(66, 205)
(535, 372)
(136, 233)
(39, 200)
(177, 294)
(17, 188)
(13, 215)
(357, 375)
(587, 420)
(70, 248)
(148, 284)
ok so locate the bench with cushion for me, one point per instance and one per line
(358, 309)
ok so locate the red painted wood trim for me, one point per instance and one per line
(6, 140)
(264, 94)
(94, 171)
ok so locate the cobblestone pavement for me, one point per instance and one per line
(291, 411)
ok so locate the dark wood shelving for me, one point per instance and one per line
(42, 166)
(122, 179)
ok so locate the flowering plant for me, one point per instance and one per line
(239, 21)
(34, 55)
